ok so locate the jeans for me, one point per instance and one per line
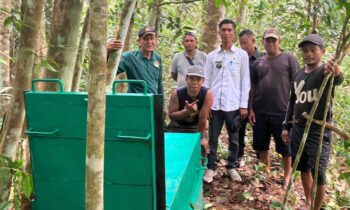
(232, 121)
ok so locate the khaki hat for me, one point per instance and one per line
(271, 32)
(144, 31)
(195, 71)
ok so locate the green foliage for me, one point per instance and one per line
(21, 181)
(278, 205)
(245, 196)
(221, 2)
(44, 63)
(13, 19)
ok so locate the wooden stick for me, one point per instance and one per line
(329, 126)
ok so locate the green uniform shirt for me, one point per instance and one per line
(138, 67)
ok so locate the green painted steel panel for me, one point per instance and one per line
(123, 197)
(48, 111)
(56, 159)
(57, 130)
(183, 171)
(58, 195)
(129, 152)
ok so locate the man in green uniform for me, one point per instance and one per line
(142, 64)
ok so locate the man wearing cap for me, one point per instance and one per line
(189, 106)
(181, 61)
(227, 75)
(271, 83)
(142, 64)
(304, 93)
(247, 43)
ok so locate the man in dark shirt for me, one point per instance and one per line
(268, 99)
(190, 105)
(247, 42)
(304, 93)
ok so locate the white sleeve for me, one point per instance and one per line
(208, 71)
(245, 81)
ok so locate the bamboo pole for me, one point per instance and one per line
(320, 143)
(329, 126)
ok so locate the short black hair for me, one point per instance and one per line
(189, 33)
(227, 21)
(246, 32)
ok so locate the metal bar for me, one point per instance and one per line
(41, 133)
(134, 137)
(48, 80)
(142, 82)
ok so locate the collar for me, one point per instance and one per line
(142, 56)
(232, 49)
(194, 55)
(256, 54)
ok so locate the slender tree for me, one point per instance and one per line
(128, 38)
(84, 37)
(314, 15)
(13, 124)
(123, 87)
(155, 14)
(114, 57)
(96, 106)
(4, 44)
(41, 50)
(242, 9)
(212, 18)
(63, 45)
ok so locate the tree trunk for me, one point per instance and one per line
(210, 36)
(63, 45)
(4, 45)
(242, 14)
(81, 53)
(123, 87)
(155, 15)
(128, 38)
(315, 11)
(13, 124)
(41, 51)
(96, 106)
(114, 57)
(48, 17)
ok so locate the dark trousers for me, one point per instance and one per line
(241, 137)
(232, 121)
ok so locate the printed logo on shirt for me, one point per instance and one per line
(218, 64)
(308, 96)
(156, 64)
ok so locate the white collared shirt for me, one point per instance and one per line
(227, 75)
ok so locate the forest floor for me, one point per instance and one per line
(257, 189)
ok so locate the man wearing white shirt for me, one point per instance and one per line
(227, 75)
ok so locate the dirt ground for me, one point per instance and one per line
(257, 189)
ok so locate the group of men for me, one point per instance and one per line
(234, 86)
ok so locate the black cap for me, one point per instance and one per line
(312, 38)
(146, 30)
